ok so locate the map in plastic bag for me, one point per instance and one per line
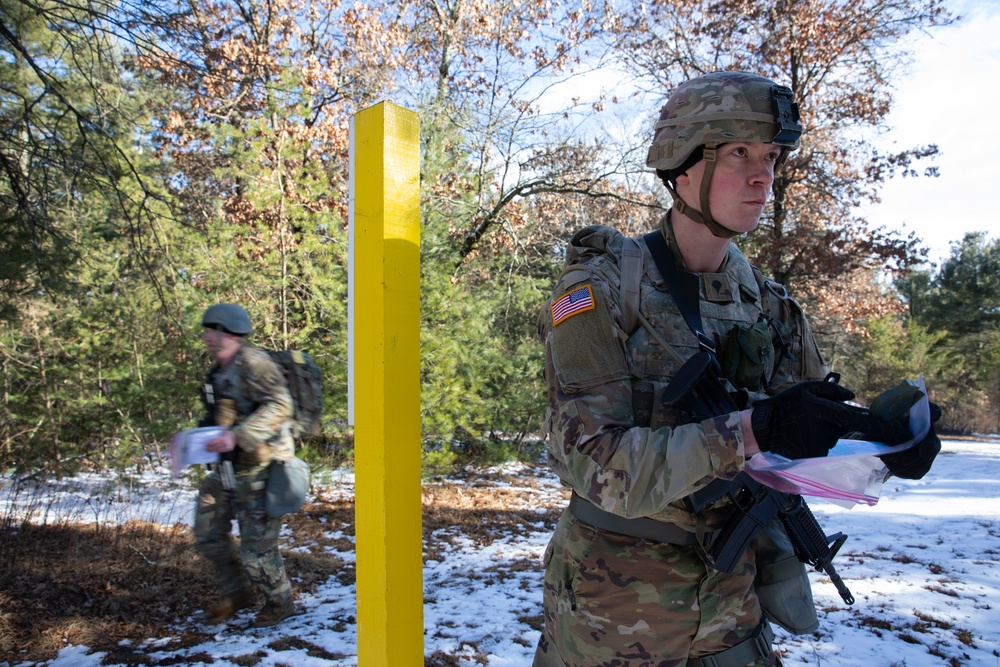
(188, 447)
(849, 475)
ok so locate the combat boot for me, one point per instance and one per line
(225, 608)
(272, 613)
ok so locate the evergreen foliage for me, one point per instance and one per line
(949, 333)
(960, 304)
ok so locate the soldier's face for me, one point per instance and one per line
(740, 186)
(221, 346)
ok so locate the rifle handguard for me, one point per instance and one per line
(811, 545)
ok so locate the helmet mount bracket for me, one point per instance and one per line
(786, 116)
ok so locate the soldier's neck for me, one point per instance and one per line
(702, 251)
(227, 353)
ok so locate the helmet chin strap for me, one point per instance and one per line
(705, 216)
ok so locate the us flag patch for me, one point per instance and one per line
(577, 301)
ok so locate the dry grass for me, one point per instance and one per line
(97, 585)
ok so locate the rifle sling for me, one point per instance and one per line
(643, 528)
(683, 287)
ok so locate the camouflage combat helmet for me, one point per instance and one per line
(712, 110)
(232, 318)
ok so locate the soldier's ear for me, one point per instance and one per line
(683, 179)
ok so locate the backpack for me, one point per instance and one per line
(305, 384)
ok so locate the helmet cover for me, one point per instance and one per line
(719, 108)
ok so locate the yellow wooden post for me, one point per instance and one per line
(385, 370)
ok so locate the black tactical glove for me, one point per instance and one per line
(913, 463)
(807, 420)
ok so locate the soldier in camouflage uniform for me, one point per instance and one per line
(626, 584)
(246, 393)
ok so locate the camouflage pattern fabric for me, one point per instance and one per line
(263, 432)
(617, 601)
(612, 599)
(263, 405)
(714, 109)
(258, 552)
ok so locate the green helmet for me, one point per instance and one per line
(232, 318)
(712, 110)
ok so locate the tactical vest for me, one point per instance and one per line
(728, 298)
(738, 294)
(222, 393)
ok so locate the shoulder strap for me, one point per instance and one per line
(630, 268)
(682, 285)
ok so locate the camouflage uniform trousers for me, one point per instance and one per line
(213, 522)
(617, 601)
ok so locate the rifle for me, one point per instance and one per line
(697, 392)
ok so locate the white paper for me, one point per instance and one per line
(850, 474)
(188, 447)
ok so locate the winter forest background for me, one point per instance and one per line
(156, 158)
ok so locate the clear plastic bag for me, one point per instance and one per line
(849, 475)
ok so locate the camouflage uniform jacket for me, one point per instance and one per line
(610, 438)
(264, 409)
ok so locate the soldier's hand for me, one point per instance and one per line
(221, 444)
(807, 420)
(913, 463)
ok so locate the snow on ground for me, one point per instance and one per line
(924, 565)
